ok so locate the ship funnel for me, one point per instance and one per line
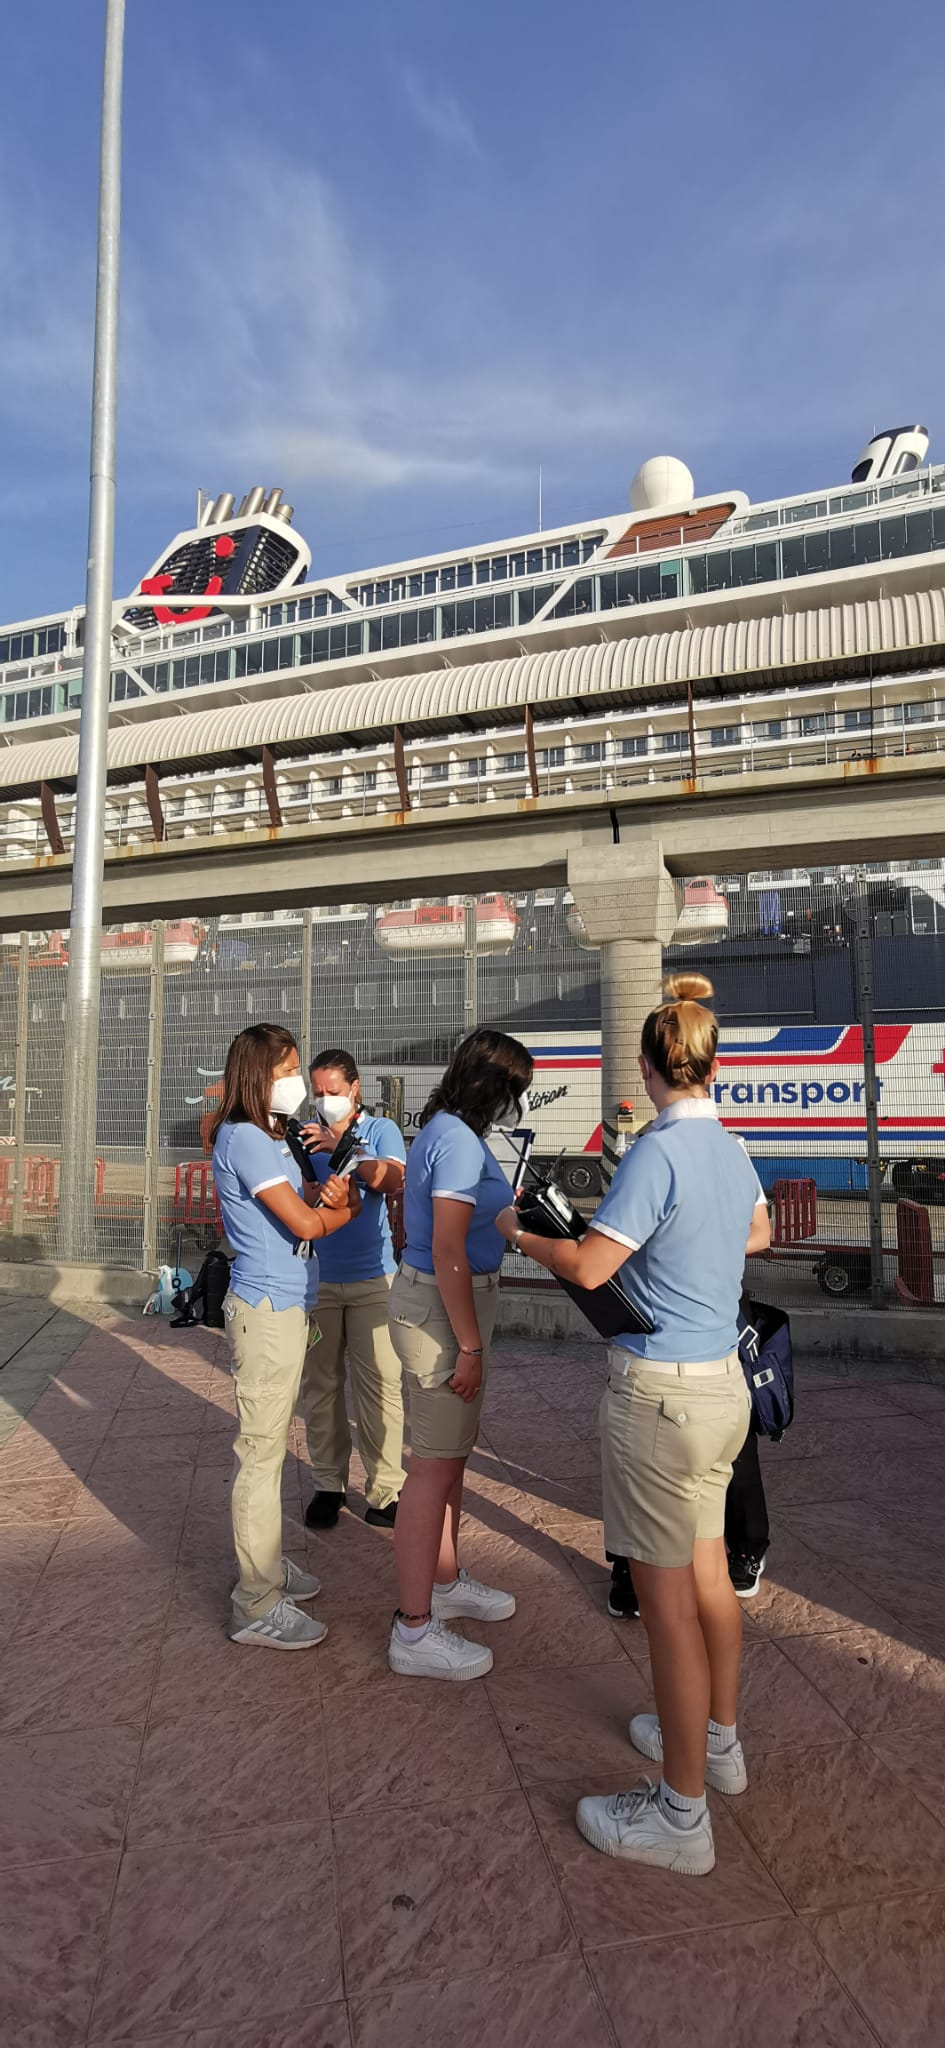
(273, 501)
(895, 452)
(242, 506)
(206, 509)
(222, 509)
(286, 513)
(254, 500)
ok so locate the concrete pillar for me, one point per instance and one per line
(630, 906)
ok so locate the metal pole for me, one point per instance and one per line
(470, 967)
(306, 1018)
(864, 979)
(19, 1083)
(152, 1125)
(80, 1093)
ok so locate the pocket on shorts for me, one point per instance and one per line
(424, 1341)
(694, 1435)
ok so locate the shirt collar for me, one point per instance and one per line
(689, 1106)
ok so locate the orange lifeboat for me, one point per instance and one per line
(424, 928)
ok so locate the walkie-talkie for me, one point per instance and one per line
(343, 1159)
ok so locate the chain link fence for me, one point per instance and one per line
(830, 990)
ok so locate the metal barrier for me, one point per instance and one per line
(795, 1212)
(915, 1280)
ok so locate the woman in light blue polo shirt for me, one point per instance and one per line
(442, 1312)
(356, 1270)
(684, 1208)
(270, 1218)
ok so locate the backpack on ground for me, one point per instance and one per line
(203, 1302)
(764, 1347)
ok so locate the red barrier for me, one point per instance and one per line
(915, 1280)
(795, 1212)
(195, 1197)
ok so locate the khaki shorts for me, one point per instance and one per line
(667, 1446)
(441, 1424)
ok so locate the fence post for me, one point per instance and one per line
(308, 1050)
(470, 966)
(864, 980)
(19, 1083)
(152, 1122)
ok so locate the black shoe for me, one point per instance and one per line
(622, 1601)
(382, 1518)
(323, 1510)
(745, 1574)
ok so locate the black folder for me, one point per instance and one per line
(544, 1208)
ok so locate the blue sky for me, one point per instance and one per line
(394, 257)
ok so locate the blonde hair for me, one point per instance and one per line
(681, 1038)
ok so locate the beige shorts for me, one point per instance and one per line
(441, 1424)
(668, 1441)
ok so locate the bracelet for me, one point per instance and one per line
(470, 1351)
(516, 1240)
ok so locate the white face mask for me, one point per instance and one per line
(513, 1119)
(333, 1109)
(287, 1095)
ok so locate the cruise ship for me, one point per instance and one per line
(690, 636)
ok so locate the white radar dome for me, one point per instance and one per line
(663, 480)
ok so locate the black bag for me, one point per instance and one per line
(203, 1302)
(764, 1347)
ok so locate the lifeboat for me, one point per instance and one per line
(126, 952)
(424, 928)
(704, 919)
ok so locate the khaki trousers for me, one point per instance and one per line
(352, 1317)
(268, 1348)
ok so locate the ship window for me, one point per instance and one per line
(608, 592)
(637, 744)
(919, 529)
(842, 544)
(792, 556)
(767, 728)
(464, 575)
(517, 565)
(500, 568)
(718, 571)
(320, 605)
(415, 585)
(866, 540)
(448, 578)
(862, 471)
(916, 714)
(673, 742)
(571, 554)
(893, 537)
(437, 771)
(390, 635)
(477, 766)
(592, 750)
(430, 582)
(550, 757)
(815, 722)
(857, 721)
(536, 561)
(513, 763)
(485, 614)
(724, 735)
(398, 590)
(374, 636)
(553, 556)
(427, 624)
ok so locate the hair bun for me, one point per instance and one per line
(687, 988)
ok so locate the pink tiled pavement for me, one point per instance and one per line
(200, 1845)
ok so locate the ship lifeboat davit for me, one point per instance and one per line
(704, 919)
(129, 952)
(425, 928)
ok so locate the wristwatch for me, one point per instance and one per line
(515, 1241)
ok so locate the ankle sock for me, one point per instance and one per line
(411, 1635)
(721, 1737)
(446, 1585)
(678, 1810)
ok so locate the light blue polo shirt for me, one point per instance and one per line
(447, 1158)
(682, 1201)
(245, 1160)
(364, 1249)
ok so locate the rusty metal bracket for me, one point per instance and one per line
(50, 819)
(269, 785)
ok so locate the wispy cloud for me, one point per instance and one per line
(439, 112)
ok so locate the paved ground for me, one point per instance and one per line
(214, 1847)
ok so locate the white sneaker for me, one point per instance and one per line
(468, 1597)
(296, 1584)
(284, 1628)
(725, 1769)
(438, 1654)
(633, 1825)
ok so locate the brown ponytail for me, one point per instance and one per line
(681, 1038)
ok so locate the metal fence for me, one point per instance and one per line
(830, 989)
